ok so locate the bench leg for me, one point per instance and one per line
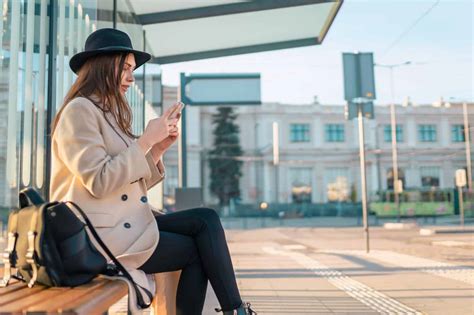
(165, 298)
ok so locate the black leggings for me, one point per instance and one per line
(194, 241)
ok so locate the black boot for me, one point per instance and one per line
(243, 309)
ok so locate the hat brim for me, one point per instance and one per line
(78, 60)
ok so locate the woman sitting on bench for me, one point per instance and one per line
(100, 164)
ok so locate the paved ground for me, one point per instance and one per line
(288, 267)
(327, 271)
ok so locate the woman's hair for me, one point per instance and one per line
(102, 75)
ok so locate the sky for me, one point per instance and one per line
(440, 47)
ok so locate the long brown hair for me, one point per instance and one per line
(102, 75)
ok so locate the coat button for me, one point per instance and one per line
(124, 197)
(127, 225)
(144, 199)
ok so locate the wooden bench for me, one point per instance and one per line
(95, 297)
(92, 298)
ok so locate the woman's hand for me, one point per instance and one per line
(160, 148)
(159, 129)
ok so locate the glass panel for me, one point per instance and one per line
(61, 47)
(127, 22)
(28, 96)
(3, 26)
(80, 17)
(71, 48)
(79, 27)
(24, 39)
(10, 79)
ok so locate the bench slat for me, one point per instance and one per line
(92, 298)
(15, 296)
(12, 286)
(112, 292)
(66, 297)
(47, 294)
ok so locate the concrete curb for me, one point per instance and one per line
(399, 226)
(451, 230)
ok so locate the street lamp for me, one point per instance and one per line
(393, 123)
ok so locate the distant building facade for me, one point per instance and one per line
(319, 150)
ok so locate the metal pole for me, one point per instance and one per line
(461, 205)
(393, 124)
(114, 14)
(276, 159)
(182, 178)
(144, 85)
(363, 176)
(52, 83)
(468, 146)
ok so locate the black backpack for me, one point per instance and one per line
(47, 243)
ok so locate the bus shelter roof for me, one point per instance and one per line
(180, 31)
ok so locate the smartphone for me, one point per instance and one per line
(177, 110)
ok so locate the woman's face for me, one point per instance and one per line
(127, 73)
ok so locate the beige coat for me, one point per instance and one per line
(92, 166)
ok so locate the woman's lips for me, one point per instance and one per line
(124, 88)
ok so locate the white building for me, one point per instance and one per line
(317, 145)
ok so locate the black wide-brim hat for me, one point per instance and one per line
(107, 41)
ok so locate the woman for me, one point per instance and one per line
(98, 163)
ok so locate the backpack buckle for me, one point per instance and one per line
(30, 257)
(8, 259)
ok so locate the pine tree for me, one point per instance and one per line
(225, 168)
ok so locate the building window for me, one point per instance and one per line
(334, 133)
(427, 133)
(429, 176)
(299, 133)
(337, 184)
(457, 133)
(387, 132)
(390, 175)
(301, 184)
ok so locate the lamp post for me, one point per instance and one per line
(393, 124)
(467, 135)
(468, 145)
(276, 159)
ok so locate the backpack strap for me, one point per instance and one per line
(30, 253)
(9, 256)
(119, 266)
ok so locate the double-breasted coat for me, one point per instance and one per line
(107, 174)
